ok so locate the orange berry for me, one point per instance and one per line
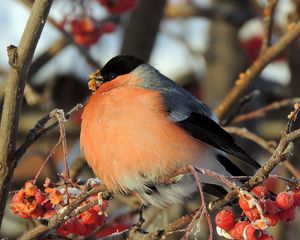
(260, 191)
(225, 220)
(238, 230)
(284, 200)
(253, 214)
(18, 197)
(251, 233)
(30, 189)
(272, 219)
(89, 217)
(244, 203)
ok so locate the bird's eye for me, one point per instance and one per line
(111, 76)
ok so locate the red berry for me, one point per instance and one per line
(266, 236)
(38, 212)
(80, 228)
(296, 196)
(272, 219)
(238, 230)
(22, 215)
(252, 47)
(39, 197)
(85, 31)
(287, 215)
(260, 191)
(89, 217)
(271, 207)
(18, 196)
(49, 214)
(243, 202)
(30, 189)
(100, 220)
(253, 214)
(284, 200)
(251, 233)
(112, 228)
(66, 228)
(108, 27)
(118, 6)
(48, 205)
(225, 220)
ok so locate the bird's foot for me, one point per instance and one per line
(141, 221)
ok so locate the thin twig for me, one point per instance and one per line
(269, 146)
(247, 78)
(241, 104)
(203, 202)
(60, 116)
(261, 112)
(268, 21)
(46, 160)
(39, 130)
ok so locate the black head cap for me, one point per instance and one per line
(119, 65)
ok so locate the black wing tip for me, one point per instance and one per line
(213, 189)
(245, 156)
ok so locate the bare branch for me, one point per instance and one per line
(261, 112)
(14, 94)
(268, 23)
(247, 78)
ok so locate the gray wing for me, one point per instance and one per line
(195, 117)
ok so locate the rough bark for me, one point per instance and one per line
(20, 59)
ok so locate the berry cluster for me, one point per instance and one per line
(118, 6)
(260, 210)
(31, 202)
(86, 31)
(85, 224)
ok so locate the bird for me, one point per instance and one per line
(138, 126)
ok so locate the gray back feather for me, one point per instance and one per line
(179, 102)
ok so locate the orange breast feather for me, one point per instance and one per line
(126, 134)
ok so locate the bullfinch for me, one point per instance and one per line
(139, 126)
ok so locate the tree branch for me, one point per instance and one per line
(261, 112)
(14, 94)
(247, 78)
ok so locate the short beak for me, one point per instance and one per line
(95, 80)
